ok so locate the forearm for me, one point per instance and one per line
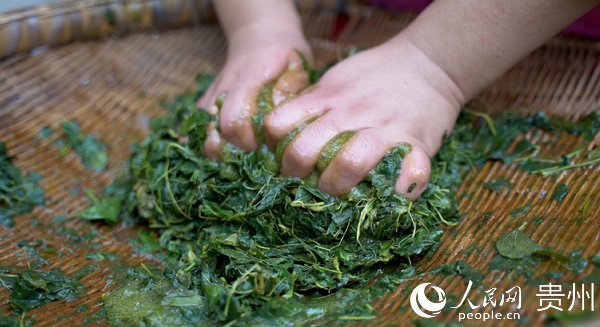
(244, 17)
(476, 41)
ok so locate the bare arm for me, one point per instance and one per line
(251, 16)
(476, 41)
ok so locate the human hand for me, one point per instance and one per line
(386, 95)
(256, 57)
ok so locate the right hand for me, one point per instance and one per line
(255, 58)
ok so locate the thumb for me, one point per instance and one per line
(291, 81)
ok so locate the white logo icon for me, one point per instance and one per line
(418, 299)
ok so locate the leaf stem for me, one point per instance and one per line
(554, 170)
(485, 116)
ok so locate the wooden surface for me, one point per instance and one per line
(113, 86)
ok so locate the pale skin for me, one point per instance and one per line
(409, 89)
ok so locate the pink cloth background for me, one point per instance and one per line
(586, 26)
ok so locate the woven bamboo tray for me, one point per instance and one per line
(119, 59)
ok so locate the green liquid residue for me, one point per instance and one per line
(282, 145)
(264, 105)
(332, 148)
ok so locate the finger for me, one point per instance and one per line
(285, 117)
(301, 155)
(215, 106)
(292, 81)
(236, 117)
(212, 144)
(355, 160)
(414, 175)
(203, 102)
(207, 101)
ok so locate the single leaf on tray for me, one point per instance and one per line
(516, 245)
(108, 209)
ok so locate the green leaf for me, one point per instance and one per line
(596, 259)
(516, 245)
(91, 151)
(32, 289)
(109, 209)
(578, 262)
(255, 245)
(10, 322)
(19, 194)
(46, 132)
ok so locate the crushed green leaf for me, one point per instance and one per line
(246, 243)
(109, 210)
(32, 289)
(11, 322)
(46, 132)
(578, 262)
(93, 153)
(18, 194)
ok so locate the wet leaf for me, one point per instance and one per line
(516, 245)
(91, 151)
(19, 194)
(10, 322)
(578, 262)
(32, 289)
(254, 245)
(108, 209)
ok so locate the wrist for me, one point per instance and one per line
(439, 79)
(258, 20)
(263, 30)
(261, 34)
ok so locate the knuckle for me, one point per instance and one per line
(294, 159)
(231, 129)
(349, 167)
(273, 128)
(359, 154)
(226, 127)
(211, 150)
